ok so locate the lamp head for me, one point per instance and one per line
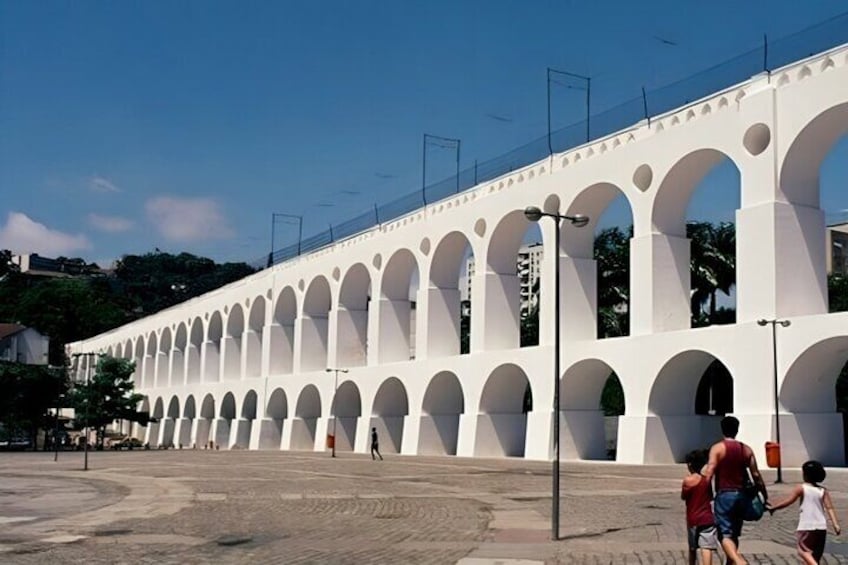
(762, 322)
(579, 221)
(533, 213)
(328, 370)
(785, 323)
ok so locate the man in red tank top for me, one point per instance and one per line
(731, 461)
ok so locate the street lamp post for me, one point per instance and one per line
(534, 214)
(333, 406)
(88, 357)
(56, 431)
(774, 324)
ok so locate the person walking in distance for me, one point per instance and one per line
(375, 445)
(730, 462)
(816, 508)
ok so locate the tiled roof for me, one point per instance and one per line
(10, 329)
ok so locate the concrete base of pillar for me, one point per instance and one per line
(240, 433)
(500, 435)
(304, 434)
(582, 434)
(221, 433)
(438, 434)
(268, 434)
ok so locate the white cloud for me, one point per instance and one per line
(23, 235)
(188, 219)
(101, 184)
(109, 224)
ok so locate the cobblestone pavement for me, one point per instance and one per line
(285, 507)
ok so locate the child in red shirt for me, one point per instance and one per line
(700, 523)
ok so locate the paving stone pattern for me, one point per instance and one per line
(281, 507)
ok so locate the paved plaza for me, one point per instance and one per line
(287, 507)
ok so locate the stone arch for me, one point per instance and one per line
(502, 420)
(169, 422)
(155, 426)
(352, 321)
(189, 409)
(276, 413)
(244, 425)
(186, 423)
(346, 410)
(674, 428)
(141, 429)
(232, 344)
(306, 414)
(204, 423)
(388, 414)
(178, 355)
(150, 360)
(397, 321)
(253, 338)
(582, 423)
(513, 282)
(672, 247)
(193, 350)
(799, 172)
(314, 325)
(212, 355)
(282, 333)
(138, 358)
(595, 284)
(225, 419)
(163, 358)
(443, 404)
(813, 430)
(445, 311)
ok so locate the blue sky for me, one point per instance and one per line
(130, 126)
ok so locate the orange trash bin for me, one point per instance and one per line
(772, 454)
(331, 441)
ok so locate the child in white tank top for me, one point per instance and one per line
(816, 507)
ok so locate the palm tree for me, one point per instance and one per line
(612, 253)
(712, 264)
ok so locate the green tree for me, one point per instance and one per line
(158, 280)
(110, 395)
(27, 392)
(612, 397)
(837, 292)
(712, 265)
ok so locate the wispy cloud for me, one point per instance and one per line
(23, 235)
(101, 184)
(109, 224)
(188, 219)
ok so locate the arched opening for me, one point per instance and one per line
(143, 407)
(306, 414)
(449, 312)
(155, 427)
(212, 355)
(253, 338)
(282, 333)
(397, 307)
(388, 414)
(695, 209)
(163, 359)
(598, 262)
(232, 344)
(811, 426)
(502, 419)
(675, 426)
(150, 361)
(276, 413)
(513, 283)
(587, 432)
(244, 426)
(138, 359)
(345, 411)
(352, 322)
(204, 423)
(314, 325)
(187, 423)
(813, 176)
(441, 409)
(169, 423)
(225, 421)
(178, 357)
(193, 353)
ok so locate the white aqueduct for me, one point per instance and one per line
(245, 365)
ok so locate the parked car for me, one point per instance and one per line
(15, 444)
(127, 443)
